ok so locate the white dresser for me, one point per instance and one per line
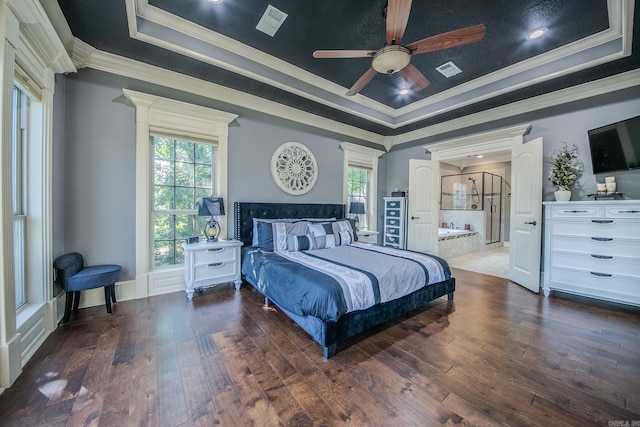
(208, 264)
(395, 222)
(593, 249)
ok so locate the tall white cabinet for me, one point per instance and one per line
(593, 249)
(395, 222)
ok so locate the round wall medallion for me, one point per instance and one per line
(294, 168)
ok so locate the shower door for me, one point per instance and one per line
(492, 186)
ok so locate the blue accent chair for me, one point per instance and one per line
(74, 277)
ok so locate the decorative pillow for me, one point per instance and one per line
(323, 234)
(343, 232)
(300, 243)
(346, 238)
(254, 241)
(273, 236)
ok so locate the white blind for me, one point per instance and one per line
(26, 83)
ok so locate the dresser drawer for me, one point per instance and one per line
(623, 212)
(577, 212)
(393, 204)
(394, 240)
(393, 213)
(214, 270)
(592, 245)
(209, 256)
(393, 221)
(594, 282)
(393, 230)
(597, 262)
(598, 227)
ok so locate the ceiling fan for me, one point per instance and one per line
(394, 57)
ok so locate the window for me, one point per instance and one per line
(183, 173)
(360, 181)
(359, 187)
(181, 122)
(18, 150)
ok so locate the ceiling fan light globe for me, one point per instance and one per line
(391, 59)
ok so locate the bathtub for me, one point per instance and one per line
(452, 243)
(444, 232)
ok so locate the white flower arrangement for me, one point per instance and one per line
(566, 167)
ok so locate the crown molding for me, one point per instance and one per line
(115, 64)
(575, 93)
(41, 35)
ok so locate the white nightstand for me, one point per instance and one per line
(208, 264)
(367, 236)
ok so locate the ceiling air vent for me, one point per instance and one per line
(271, 20)
(449, 69)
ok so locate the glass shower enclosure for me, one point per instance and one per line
(476, 191)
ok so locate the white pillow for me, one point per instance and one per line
(343, 232)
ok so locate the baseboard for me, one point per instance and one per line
(94, 297)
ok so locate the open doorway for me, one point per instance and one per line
(525, 231)
(475, 212)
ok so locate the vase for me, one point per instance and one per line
(562, 195)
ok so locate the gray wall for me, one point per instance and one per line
(251, 145)
(99, 174)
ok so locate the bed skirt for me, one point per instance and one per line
(329, 334)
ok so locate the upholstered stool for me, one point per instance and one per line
(74, 277)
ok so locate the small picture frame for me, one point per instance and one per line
(194, 239)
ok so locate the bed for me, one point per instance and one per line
(322, 281)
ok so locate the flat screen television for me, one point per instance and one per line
(615, 147)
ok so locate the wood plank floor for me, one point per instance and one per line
(498, 355)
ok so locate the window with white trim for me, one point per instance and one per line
(359, 190)
(183, 173)
(361, 181)
(18, 158)
(163, 117)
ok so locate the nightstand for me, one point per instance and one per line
(367, 236)
(208, 264)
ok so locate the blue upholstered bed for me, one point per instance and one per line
(329, 284)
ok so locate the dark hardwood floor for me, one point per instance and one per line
(497, 355)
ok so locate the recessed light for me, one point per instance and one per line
(537, 33)
(403, 91)
(216, 1)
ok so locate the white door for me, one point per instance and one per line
(526, 214)
(422, 226)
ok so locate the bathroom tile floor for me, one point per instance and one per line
(494, 262)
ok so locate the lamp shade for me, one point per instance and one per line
(211, 206)
(356, 207)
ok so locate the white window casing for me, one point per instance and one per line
(158, 115)
(359, 156)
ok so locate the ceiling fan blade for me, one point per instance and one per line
(362, 82)
(397, 17)
(414, 77)
(343, 53)
(447, 40)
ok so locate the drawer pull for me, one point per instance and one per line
(602, 221)
(601, 256)
(632, 211)
(216, 265)
(595, 273)
(574, 211)
(216, 250)
(602, 239)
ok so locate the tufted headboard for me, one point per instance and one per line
(246, 211)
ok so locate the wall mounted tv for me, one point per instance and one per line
(615, 147)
